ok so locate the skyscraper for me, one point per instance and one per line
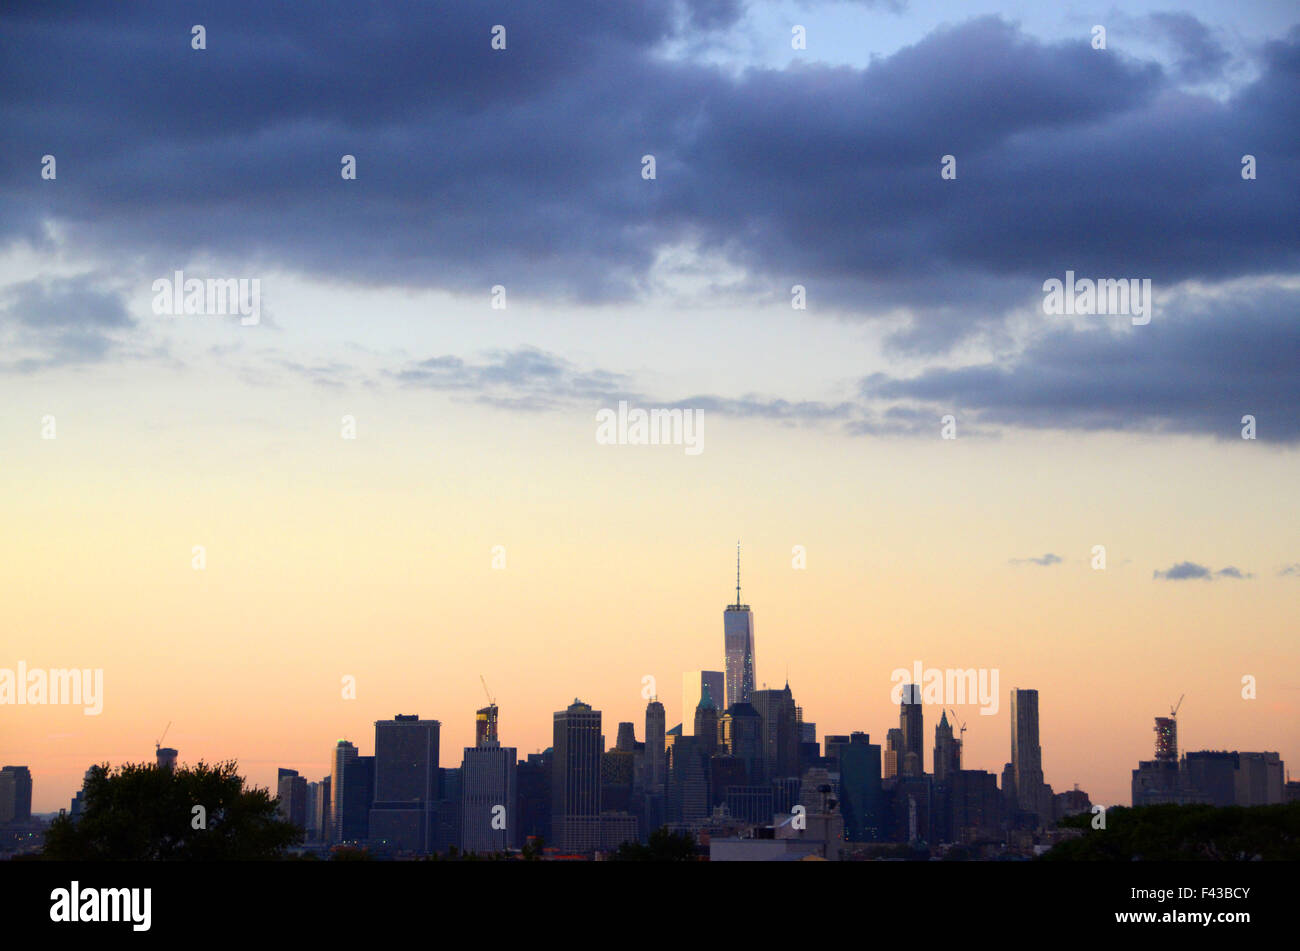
(741, 732)
(738, 646)
(780, 719)
(706, 724)
(342, 754)
(655, 770)
(911, 720)
(485, 725)
(575, 782)
(318, 809)
(688, 779)
(15, 794)
(1167, 739)
(292, 792)
(947, 750)
(693, 684)
(358, 797)
(489, 794)
(893, 764)
(1026, 754)
(861, 801)
(625, 742)
(406, 759)
(407, 783)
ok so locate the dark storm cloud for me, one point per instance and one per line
(1200, 367)
(1200, 54)
(523, 166)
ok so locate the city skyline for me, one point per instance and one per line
(349, 359)
(931, 715)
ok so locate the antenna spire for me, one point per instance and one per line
(737, 572)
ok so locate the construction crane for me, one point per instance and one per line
(960, 724)
(491, 700)
(157, 744)
(1173, 711)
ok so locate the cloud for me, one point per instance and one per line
(1190, 570)
(47, 324)
(1201, 365)
(1232, 572)
(1044, 560)
(1183, 571)
(526, 162)
(1291, 569)
(1200, 55)
(525, 379)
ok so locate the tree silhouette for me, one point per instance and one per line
(140, 812)
(664, 846)
(1195, 833)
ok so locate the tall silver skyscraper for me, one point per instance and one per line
(738, 645)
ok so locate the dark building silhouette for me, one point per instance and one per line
(15, 794)
(706, 723)
(534, 779)
(725, 771)
(780, 726)
(947, 750)
(741, 730)
(617, 771)
(911, 722)
(292, 792)
(973, 806)
(656, 774)
(857, 761)
(353, 810)
(407, 785)
(688, 779)
(912, 809)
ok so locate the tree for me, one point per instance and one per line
(664, 846)
(141, 812)
(1192, 833)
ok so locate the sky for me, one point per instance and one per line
(518, 176)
